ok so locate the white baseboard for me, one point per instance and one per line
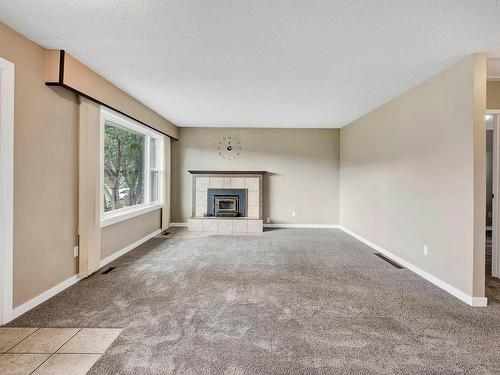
(467, 298)
(126, 249)
(470, 300)
(20, 310)
(479, 302)
(325, 226)
(319, 226)
(178, 225)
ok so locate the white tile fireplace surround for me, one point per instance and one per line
(250, 181)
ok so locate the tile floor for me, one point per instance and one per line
(53, 351)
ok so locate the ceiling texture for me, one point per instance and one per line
(262, 63)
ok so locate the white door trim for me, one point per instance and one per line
(6, 187)
(495, 258)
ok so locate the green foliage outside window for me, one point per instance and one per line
(123, 167)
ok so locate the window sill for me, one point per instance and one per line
(117, 217)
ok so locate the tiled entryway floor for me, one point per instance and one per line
(52, 351)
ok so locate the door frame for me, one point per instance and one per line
(6, 188)
(495, 261)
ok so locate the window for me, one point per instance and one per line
(154, 171)
(123, 167)
(131, 168)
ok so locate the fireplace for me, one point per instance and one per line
(226, 202)
(226, 205)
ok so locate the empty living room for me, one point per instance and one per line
(249, 187)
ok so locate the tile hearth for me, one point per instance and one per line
(225, 225)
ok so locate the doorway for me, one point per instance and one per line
(6, 187)
(492, 264)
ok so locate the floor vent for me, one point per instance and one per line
(107, 270)
(390, 261)
(165, 233)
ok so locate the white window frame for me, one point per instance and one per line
(115, 216)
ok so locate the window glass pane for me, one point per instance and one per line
(154, 182)
(155, 186)
(124, 152)
(153, 145)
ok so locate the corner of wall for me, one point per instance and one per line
(479, 136)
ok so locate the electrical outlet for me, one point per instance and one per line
(268, 220)
(426, 250)
(76, 251)
(293, 213)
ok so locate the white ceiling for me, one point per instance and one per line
(262, 63)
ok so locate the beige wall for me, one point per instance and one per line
(303, 166)
(411, 175)
(45, 172)
(493, 95)
(117, 236)
(46, 177)
(84, 80)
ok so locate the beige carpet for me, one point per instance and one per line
(292, 301)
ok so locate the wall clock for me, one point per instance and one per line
(229, 148)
